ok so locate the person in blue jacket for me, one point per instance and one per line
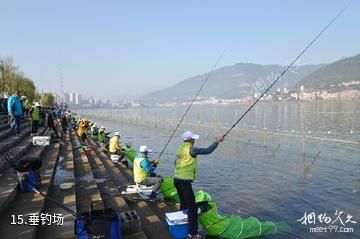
(16, 112)
(144, 170)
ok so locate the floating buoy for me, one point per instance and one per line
(309, 132)
(351, 132)
(254, 126)
(265, 128)
(292, 131)
(329, 132)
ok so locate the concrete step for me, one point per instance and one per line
(8, 181)
(4, 125)
(64, 174)
(151, 223)
(30, 205)
(17, 145)
(9, 142)
(109, 191)
(87, 193)
(7, 132)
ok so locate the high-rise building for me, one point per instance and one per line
(72, 98)
(67, 98)
(78, 99)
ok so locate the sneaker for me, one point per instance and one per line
(197, 236)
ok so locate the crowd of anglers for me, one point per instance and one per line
(19, 107)
(144, 167)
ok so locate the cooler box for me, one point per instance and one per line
(177, 224)
(41, 140)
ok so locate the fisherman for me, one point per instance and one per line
(50, 123)
(26, 106)
(64, 122)
(34, 114)
(102, 136)
(144, 170)
(115, 149)
(94, 130)
(185, 174)
(15, 113)
(83, 124)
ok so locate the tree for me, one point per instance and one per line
(12, 79)
(48, 100)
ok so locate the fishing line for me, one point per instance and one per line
(289, 66)
(192, 102)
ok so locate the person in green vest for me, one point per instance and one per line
(102, 136)
(144, 170)
(185, 174)
(34, 114)
(94, 130)
(26, 106)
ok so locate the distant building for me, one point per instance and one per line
(91, 100)
(78, 99)
(67, 98)
(72, 98)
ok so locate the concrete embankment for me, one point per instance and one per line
(95, 180)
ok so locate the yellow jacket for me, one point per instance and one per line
(82, 128)
(114, 144)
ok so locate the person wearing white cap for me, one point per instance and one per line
(34, 114)
(102, 136)
(115, 147)
(185, 174)
(144, 170)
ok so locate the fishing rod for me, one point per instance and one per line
(192, 102)
(289, 66)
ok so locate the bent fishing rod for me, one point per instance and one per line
(289, 66)
(192, 102)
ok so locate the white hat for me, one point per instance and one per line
(144, 149)
(102, 127)
(189, 135)
(37, 104)
(117, 134)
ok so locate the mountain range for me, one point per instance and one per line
(246, 79)
(332, 76)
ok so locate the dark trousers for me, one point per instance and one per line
(34, 126)
(15, 124)
(187, 201)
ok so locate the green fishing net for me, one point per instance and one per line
(229, 227)
(213, 223)
(130, 153)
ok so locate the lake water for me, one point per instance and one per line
(282, 161)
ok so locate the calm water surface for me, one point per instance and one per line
(271, 176)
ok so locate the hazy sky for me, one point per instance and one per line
(115, 48)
